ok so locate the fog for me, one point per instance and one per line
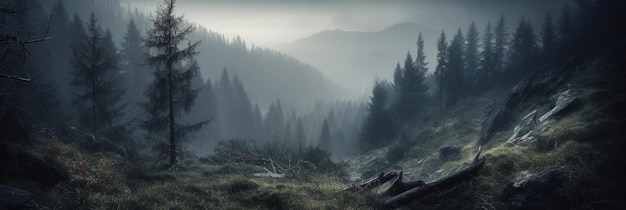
(291, 26)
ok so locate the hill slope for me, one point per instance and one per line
(358, 57)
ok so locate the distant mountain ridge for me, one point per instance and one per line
(357, 57)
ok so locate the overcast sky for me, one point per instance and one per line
(265, 22)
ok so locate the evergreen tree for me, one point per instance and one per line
(471, 56)
(94, 63)
(274, 121)
(170, 92)
(420, 61)
(549, 39)
(501, 42)
(378, 128)
(487, 58)
(242, 110)
(455, 75)
(225, 107)
(325, 142)
(300, 136)
(410, 90)
(60, 31)
(441, 70)
(137, 76)
(523, 46)
(566, 31)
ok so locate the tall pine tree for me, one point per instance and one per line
(487, 70)
(95, 65)
(501, 42)
(136, 74)
(441, 69)
(548, 39)
(170, 93)
(378, 127)
(455, 75)
(471, 56)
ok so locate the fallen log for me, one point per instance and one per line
(398, 186)
(372, 183)
(461, 174)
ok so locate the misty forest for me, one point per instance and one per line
(345, 104)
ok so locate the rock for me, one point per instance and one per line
(531, 191)
(500, 113)
(13, 198)
(565, 99)
(522, 133)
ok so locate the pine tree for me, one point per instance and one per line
(274, 121)
(170, 92)
(441, 69)
(137, 76)
(378, 127)
(566, 31)
(501, 42)
(300, 136)
(224, 92)
(411, 89)
(95, 64)
(471, 56)
(524, 48)
(455, 75)
(60, 31)
(325, 142)
(549, 39)
(420, 61)
(487, 70)
(242, 110)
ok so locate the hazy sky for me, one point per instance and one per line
(265, 22)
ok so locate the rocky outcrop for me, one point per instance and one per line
(564, 100)
(529, 127)
(499, 115)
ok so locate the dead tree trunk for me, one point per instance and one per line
(372, 183)
(399, 186)
(456, 177)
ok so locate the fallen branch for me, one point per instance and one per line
(399, 186)
(461, 174)
(372, 183)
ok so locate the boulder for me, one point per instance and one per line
(13, 198)
(522, 133)
(564, 100)
(531, 191)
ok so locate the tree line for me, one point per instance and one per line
(470, 63)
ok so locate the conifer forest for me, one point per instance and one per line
(340, 104)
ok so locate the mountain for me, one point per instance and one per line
(355, 58)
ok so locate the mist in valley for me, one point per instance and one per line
(241, 104)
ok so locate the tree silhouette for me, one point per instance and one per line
(455, 75)
(442, 67)
(378, 128)
(170, 92)
(325, 141)
(488, 68)
(548, 39)
(95, 65)
(501, 42)
(471, 56)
